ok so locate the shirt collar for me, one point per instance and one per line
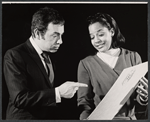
(36, 47)
(111, 52)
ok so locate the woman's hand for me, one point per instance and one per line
(142, 89)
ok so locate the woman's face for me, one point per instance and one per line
(101, 36)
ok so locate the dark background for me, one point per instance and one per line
(131, 19)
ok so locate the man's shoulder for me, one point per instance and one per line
(16, 50)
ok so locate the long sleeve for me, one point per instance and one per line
(18, 79)
(85, 94)
(135, 59)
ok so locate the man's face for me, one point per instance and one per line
(52, 39)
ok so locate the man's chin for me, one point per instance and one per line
(53, 51)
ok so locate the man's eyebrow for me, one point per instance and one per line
(56, 33)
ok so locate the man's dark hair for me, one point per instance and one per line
(43, 17)
(109, 22)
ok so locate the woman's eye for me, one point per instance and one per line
(100, 34)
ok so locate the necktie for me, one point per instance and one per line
(49, 68)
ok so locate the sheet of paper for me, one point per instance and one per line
(119, 92)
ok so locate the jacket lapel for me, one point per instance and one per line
(36, 58)
(121, 63)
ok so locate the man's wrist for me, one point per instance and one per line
(58, 97)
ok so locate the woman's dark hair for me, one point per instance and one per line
(107, 21)
(43, 17)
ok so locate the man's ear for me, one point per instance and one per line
(112, 32)
(37, 33)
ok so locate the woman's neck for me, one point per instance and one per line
(112, 52)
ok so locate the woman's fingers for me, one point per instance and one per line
(144, 83)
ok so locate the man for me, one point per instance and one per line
(29, 74)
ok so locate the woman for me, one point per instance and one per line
(101, 70)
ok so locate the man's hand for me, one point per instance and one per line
(68, 89)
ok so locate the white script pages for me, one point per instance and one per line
(119, 92)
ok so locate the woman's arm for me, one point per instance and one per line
(85, 95)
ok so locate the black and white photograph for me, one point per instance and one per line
(74, 61)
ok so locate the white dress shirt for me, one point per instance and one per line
(39, 51)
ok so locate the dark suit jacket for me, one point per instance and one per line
(31, 95)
